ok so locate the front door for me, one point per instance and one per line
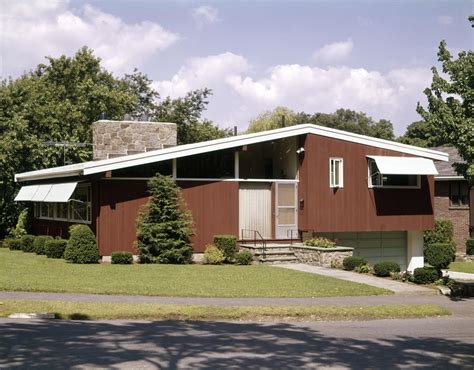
(286, 212)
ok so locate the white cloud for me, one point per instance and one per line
(42, 28)
(205, 15)
(446, 20)
(239, 96)
(334, 52)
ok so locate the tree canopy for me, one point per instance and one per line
(342, 119)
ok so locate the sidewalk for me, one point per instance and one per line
(459, 275)
(395, 286)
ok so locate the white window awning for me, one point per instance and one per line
(404, 165)
(58, 193)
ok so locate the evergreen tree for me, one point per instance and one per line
(164, 226)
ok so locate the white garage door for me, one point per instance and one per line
(375, 246)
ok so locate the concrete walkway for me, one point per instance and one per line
(458, 275)
(395, 286)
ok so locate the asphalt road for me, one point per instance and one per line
(437, 343)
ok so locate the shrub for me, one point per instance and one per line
(227, 244)
(470, 246)
(213, 255)
(350, 263)
(27, 243)
(122, 258)
(384, 268)
(55, 248)
(22, 224)
(320, 243)
(81, 246)
(14, 244)
(402, 276)
(3, 243)
(425, 275)
(164, 225)
(243, 258)
(442, 233)
(39, 242)
(439, 255)
(364, 269)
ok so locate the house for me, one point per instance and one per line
(374, 195)
(453, 199)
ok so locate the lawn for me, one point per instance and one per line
(462, 267)
(28, 272)
(144, 311)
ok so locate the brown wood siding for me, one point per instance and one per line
(215, 209)
(356, 207)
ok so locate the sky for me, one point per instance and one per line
(312, 56)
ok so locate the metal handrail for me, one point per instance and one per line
(255, 235)
(290, 232)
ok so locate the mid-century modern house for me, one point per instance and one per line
(453, 198)
(374, 195)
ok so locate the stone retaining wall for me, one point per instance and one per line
(321, 256)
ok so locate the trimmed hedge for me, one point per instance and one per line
(425, 275)
(13, 244)
(439, 255)
(384, 268)
(350, 263)
(122, 258)
(243, 258)
(27, 243)
(320, 243)
(213, 255)
(227, 244)
(55, 248)
(39, 242)
(82, 246)
(470, 246)
(442, 233)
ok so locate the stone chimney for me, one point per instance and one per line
(118, 138)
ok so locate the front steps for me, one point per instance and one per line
(274, 253)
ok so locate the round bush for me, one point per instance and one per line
(55, 248)
(81, 246)
(350, 263)
(39, 242)
(425, 275)
(227, 244)
(243, 258)
(384, 268)
(14, 244)
(470, 246)
(439, 255)
(213, 255)
(27, 243)
(122, 258)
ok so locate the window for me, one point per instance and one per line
(78, 209)
(336, 173)
(458, 194)
(378, 180)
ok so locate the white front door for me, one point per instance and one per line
(286, 212)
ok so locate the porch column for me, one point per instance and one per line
(236, 164)
(174, 171)
(414, 250)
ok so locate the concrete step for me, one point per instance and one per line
(278, 259)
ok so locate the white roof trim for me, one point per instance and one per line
(448, 178)
(404, 165)
(92, 167)
(59, 193)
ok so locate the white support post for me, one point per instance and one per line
(236, 164)
(414, 250)
(174, 171)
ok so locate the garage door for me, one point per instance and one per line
(375, 246)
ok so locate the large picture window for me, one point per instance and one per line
(378, 180)
(78, 209)
(336, 173)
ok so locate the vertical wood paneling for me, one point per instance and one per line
(255, 208)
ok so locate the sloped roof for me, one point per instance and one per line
(92, 167)
(446, 168)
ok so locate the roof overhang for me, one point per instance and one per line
(404, 165)
(57, 193)
(93, 167)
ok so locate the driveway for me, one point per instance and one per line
(438, 343)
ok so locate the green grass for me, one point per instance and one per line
(462, 267)
(143, 311)
(28, 272)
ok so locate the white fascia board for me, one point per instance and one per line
(449, 178)
(62, 171)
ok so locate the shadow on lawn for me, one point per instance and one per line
(172, 344)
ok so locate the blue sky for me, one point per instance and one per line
(316, 56)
